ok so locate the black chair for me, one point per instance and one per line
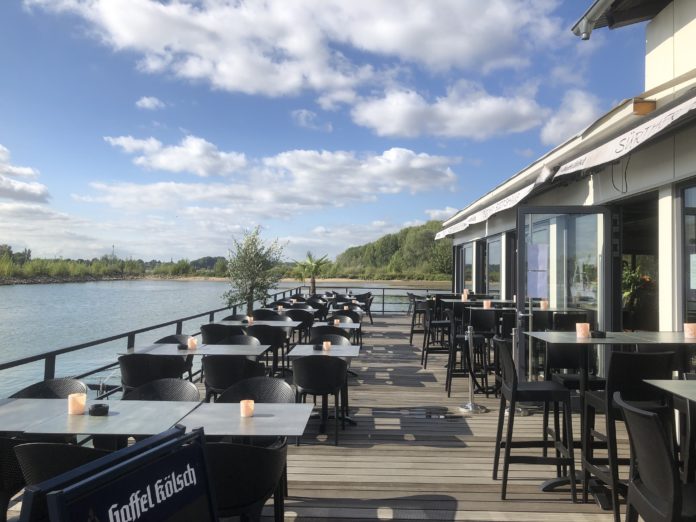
(306, 317)
(164, 390)
(272, 336)
(51, 389)
(654, 489)
(41, 461)
(265, 315)
(213, 333)
(348, 316)
(320, 331)
(626, 374)
(140, 368)
(235, 317)
(11, 479)
(337, 339)
(222, 371)
(319, 375)
(259, 389)
(244, 477)
(436, 335)
(566, 321)
(484, 323)
(417, 319)
(181, 340)
(514, 392)
(248, 340)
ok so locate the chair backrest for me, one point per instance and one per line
(271, 335)
(303, 306)
(51, 389)
(266, 315)
(247, 340)
(655, 476)
(355, 316)
(222, 371)
(164, 390)
(627, 371)
(235, 317)
(336, 339)
(507, 363)
(259, 389)
(341, 316)
(140, 368)
(680, 357)
(320, 331)
(507, 323)
(11, 479)
(319, 374)
(244, 476)
(41, 461)
(180, 339)
(213, 333)
(483, 320)
(300, 314)
(565, 321)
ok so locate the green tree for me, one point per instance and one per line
(311, 267)
(250, 268)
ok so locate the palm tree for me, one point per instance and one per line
(310, 268)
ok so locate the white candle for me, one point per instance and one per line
(487, 303)
(246, 408)
(582, 330)
(346, 308)
(543, 304)
(337, 322)
(326, 345)
(465, 295)
(690, 330)
(192, 343)
(77, 403)
(280, 307)
(250, 319)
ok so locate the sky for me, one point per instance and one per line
(163, 130)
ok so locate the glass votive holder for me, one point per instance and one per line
(346, 308)
(192, 343)
(246, 408)
(582, 330)
(280, 308)
(326, 345)
(337, 322)
(543, 304)
(465, 295)
(250, 319)
(77, 403)
(690, 330)
(487, 304)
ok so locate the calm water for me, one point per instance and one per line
(39, 318)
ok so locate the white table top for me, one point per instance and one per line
(614, 338)
(347, 351)
(204, 349)
(269, 419)
(19, 414)
(345, 326)
(685, 389)
(124, 418)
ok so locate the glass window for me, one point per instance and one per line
(468, 266)
(690, 252)
(493, 257)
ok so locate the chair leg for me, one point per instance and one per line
(568, 419)
(613, 465)
(631, 513)
(587, 450)
(336, 414)
(498, 436)
(544, 427)
(557, 432)
(508, 444)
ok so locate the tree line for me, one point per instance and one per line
(411, 253)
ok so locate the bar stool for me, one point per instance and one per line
(533, 391)
(417, 319)
(436, 330)
(627, 371)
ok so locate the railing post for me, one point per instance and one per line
(234, 310)
(383, 296)
(211, 317)
(131, 340)
(50, 367)
(179, 327)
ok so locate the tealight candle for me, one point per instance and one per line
(280, 308)
(465, 295)
(690, 330)
(582, 330)
(543, 304)
(77, 403)
(192, 343)
(250, 319)
(246, 408)
(487, 304)
(326, 345)
(354, 301)
(293, 301)
(337, 322)
(346, 308)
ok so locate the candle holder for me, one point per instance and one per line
(326, 346)
(465, 295)
(192, 343)
(690, 330)
(250, 319)
(77, 403)
(337, 322)
(246, 408)
(582, 330)
(543, 304)
(346, 308)
(487, 304)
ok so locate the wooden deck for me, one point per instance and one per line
(413, 455)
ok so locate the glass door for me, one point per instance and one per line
(563, 258)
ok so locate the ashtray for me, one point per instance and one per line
(598, 334)
(318, 347)
(99, 410)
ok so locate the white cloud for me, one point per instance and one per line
(466, 111)
(19, 190)
(578, 109)
(272, 49)
(308, 119)
(441, 213)
(149, 103)
(193, 154)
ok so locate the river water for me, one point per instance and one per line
(40, 318)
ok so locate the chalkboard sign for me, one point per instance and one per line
(165, 481)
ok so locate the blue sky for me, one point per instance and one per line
(167, 128)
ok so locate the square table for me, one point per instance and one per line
(276, 420)
(20, 414)
(204, 349)
(124, 418)
(347, 351)
(684, 389)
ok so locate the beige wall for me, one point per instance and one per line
(670, 43)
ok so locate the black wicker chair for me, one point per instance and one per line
(51, 389)
(337, 339)
(164, 390)
(213, 333)
(11, 479)
(262, 314)
(259, 389)
(181, 340)
(235, 317)
(222, 371)
(248, 340)
(41, 461)
(306, 317)
(320, 331)
(140, 368)
(319, 375)
(244, 477)
(271, 336)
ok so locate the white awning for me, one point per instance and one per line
(625, 143)
(484, 214)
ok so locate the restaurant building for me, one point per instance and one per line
(606, 221)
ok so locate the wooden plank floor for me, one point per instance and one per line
(413, 455)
